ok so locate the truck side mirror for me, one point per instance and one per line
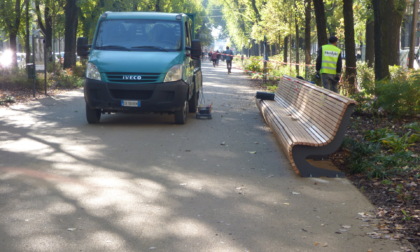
(82, 47)
(196, 49)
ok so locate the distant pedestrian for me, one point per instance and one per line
(219, 56)
(214, 58)
(229, 56)
(329, 64)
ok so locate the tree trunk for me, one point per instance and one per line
(257, 13)
(321, 23)
(307, 36)
(350, 45)
(27, 35)
(46, 27)
(70, 32)
(14, 32)
(395, 30)
(286, 49)
(388, 18)
(256, 49)
(157, 6)
(48, 34)
(297, 46)
(411, 55)
(381, 60)
(370, 42)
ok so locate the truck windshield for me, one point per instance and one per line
(139, 35)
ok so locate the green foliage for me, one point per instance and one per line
(382, 154)
(399, 96)
(272, 88)
(364, 103)
(369, 159)
(358, 161)
(17, 79)
(392, 141)
(407, 217)
(80, 69)
(254, 64)
(395, 142)
(275, 68)
(415, 129)
(377, 135)
(366, 77)
(67, 78)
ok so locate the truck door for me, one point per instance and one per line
(188, 61)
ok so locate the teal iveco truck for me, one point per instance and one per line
(142, 62)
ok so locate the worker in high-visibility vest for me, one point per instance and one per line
(329, 65)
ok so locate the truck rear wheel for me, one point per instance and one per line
(93, 115)
(181, 115)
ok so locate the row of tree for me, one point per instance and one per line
(18, 19)
(374, 23)
(283, 24)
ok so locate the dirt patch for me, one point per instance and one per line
(397, 199)
(10, 94)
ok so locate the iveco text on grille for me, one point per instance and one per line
(131, 77)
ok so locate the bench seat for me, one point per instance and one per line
(309, 122)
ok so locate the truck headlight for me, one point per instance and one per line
(92, 72)
(174, 74)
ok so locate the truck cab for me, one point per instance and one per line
(142, 62)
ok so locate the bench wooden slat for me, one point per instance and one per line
(327, 122)
(297, 133)
(330, 99)
(295, 115)
(323, 134)
(307, 121)
(336, 96)
(322, 100)
(324, 120)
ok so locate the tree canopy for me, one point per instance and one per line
(284, 24)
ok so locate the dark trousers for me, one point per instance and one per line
(329, 82)
(229, 65)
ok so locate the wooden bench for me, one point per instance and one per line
(308, 121)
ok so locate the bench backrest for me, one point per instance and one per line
(322, 109)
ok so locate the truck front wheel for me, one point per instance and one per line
(181, 115)
(93, 115)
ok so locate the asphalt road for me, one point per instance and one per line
(142, 183)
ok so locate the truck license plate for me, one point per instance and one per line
(129, 103)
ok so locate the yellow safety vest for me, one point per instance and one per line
(330, 54)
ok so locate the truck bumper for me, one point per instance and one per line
(157, 97)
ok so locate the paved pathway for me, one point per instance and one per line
(141, 183)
